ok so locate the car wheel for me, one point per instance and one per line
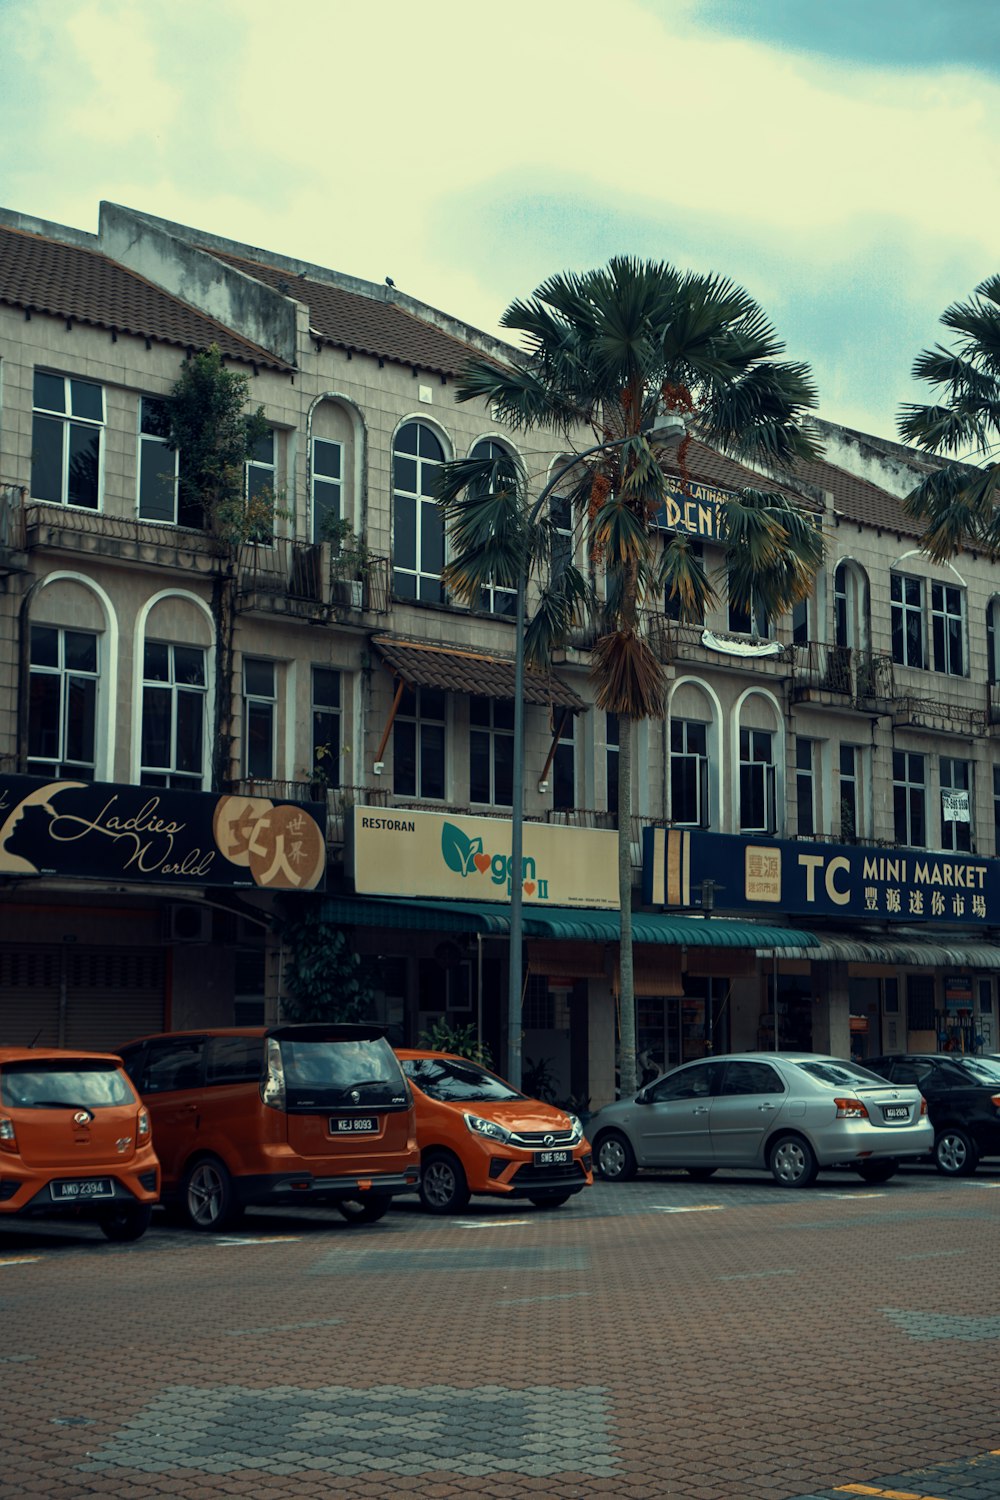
(209, 1197)
(550, 1200)
(444, 1188)
(614, 1156)
(129, 1222)
(366, 1210)
(701, 1174)
(955, 1153)
(792, 1162)
(877, 1171)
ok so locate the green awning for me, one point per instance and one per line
(562, 923)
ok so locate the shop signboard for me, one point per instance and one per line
(681, 867)
(105, 831)
(397, 852)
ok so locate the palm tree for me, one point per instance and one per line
(603, 354)
(957, 501)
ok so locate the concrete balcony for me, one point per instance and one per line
(830, 676)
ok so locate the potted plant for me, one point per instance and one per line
(350, 560)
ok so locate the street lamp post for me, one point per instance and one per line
(667, 425)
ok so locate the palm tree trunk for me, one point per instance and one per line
(626, 987)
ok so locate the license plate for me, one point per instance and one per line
(896, 1111)
(553, 1158)
(356, 1125)
(83, 1188)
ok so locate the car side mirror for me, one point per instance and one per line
(642, 1097)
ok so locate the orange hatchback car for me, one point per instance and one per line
(75, 1141)
(477, 1134)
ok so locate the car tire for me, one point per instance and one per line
(614, 1157)
(955, 1152)
(701, 1174)
(550, 1200)
(208, 1196)
(877, 1171)
(792, 1161)
(366, 1210)
(444, 1188)
(127, 1223)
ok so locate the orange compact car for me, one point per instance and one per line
(478, 1134)
(75, 1141)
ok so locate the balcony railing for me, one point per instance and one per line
(939, 715)
(12, 550)
(306, 573)
(339, 799)
(862, 677)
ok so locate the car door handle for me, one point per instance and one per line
(765, 1108)
(702, 1109)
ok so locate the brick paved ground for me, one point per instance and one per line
(708, 1341)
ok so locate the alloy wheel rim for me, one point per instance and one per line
(439, 1183)
(204, 1195)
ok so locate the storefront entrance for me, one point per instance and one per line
(672, 1029)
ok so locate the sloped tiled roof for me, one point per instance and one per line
(364, 325)
(857, 499)
(705, 465)
(71, 281)
(454, 671)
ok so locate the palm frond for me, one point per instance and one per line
(563, 603)
(773, 551)
(683, 577)
(957, 507)
(627, 677)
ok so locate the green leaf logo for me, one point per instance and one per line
(458, 850)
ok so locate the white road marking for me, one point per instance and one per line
(494, 1224)
(695, 1208)
(21, 1260)
(271, 1239)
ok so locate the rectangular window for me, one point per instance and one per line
(996, 810)
(956, 804)
(326, 729)
(259, 715)
(327, 486)
(259, 482)
(612, 751)
(850, 793)
(157, 464)
(909, 794)
(800, 623)
(66, 440)
(174, 701)
(561, 516)
(62, 709)
(418, 745)
(757, 781)
(906, 609)
(805, 785)
(748, 619)
(689, 773)
(564, 762)
(948, 629)
(920, 1002)
(417, 525)
(672, 602)
(491, 751)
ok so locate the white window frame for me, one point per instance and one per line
(63, 765)
(702, 784)
(169, 457)
(70, 421)
(807, 780)
(751, 768)
(260, 704)
(420, 719)
(910, 788)
(328, 481)
(565, 749)
(945, 615)
(493, 733)
(901, 609)
(950, 830)
(423, 497)
(185, 780)
(329, 766)
(494, 598)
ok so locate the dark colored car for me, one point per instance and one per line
(963, 1102)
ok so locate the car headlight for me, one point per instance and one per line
(488, 1128)
(576, 1127)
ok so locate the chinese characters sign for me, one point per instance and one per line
(105, 831)
(820, 880)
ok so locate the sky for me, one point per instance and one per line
(837, 158)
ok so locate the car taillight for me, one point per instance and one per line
(923, 1104)
(142, 1127)
(8, 1137)
(272, 1088)
(995, 1101)
(850, 1109)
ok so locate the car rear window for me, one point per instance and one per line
(979, 1069)
(327, 1072)
(58, 1085)
(452, 1080)
(841, 1074)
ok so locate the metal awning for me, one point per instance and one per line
(420, 664)
(917, 952)
(566, 923)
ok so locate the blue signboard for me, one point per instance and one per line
(817, 880)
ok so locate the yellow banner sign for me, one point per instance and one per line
(402, 853)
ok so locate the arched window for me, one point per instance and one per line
(417, 526)
(850, 606)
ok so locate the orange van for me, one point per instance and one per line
(478, 1134)
(289, 1115)
(75, 1141)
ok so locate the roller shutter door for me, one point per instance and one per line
(113, 994)
(30, 983)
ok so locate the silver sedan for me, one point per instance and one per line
(791, 1113)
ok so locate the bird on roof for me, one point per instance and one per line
(389, 281)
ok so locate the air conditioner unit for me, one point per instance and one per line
(190, 923)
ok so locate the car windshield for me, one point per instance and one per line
(328, 1072)
(453, 1080)
(71, 1084)
(840, 1074)
(980, 1069)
